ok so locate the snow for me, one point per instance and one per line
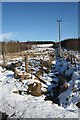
(28, 106)
(43, 46)
(73, 97)
(32, 107)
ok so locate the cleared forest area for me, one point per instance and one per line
(39, 81)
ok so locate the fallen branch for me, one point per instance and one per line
(39, 79)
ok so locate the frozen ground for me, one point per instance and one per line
(28, 106)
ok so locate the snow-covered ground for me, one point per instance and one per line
(28, 106)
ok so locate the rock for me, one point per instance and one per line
(17, 64)
(59, 89)
(30, 87)
(35, 89)
(11, 66)
(31, 70)
(78, 104)
(39, 72)
(61, 79)
(64, 87)
(54, 100)
(24, 76)
(4, 65)
(3, 116)
(15, 73)
(16, 92)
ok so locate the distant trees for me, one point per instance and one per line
(71, 44)
(11, 46)
(14, 46)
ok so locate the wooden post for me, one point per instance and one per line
(26, 62)
(74, 61)
(3, 58)
(71, 59)
(22, 57)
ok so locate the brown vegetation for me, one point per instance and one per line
(71, 44)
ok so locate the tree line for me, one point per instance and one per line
(13, 46)
(71, 44)
(16, 46)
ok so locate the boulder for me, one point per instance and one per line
(35, 89)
